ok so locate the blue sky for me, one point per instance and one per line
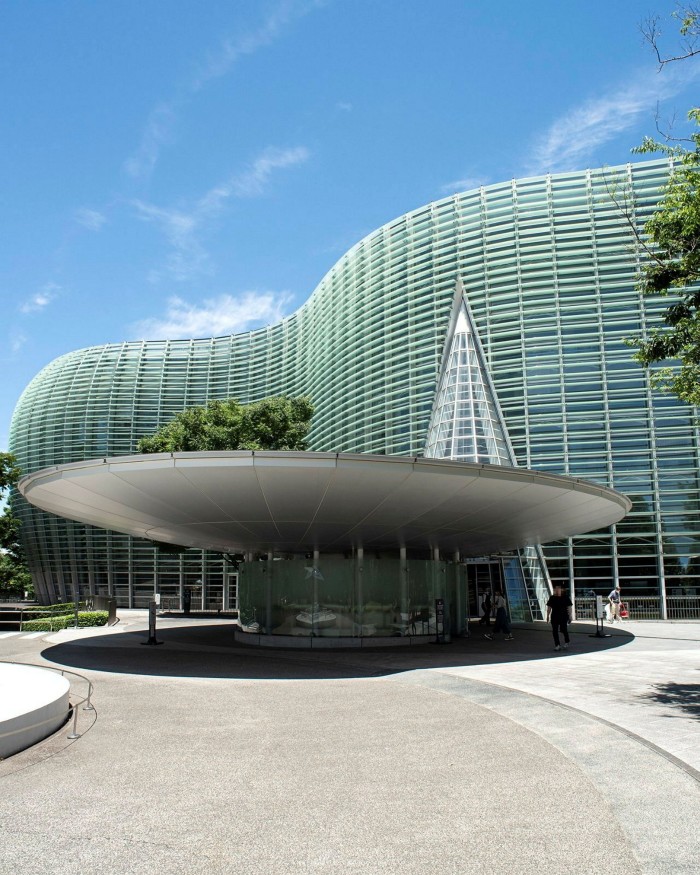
(174, 168)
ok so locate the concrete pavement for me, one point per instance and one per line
(207, 757)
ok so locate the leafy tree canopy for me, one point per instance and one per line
(14, 576)
(9, 471)
(671, 243)
(15, 579)
(280, 423)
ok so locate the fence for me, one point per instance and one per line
(639, 607)
(648, 607)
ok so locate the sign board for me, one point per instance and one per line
(599, 611)
(156, 598)
(440, 621)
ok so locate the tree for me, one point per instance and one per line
(279, 423)
(9, 471)
(14, 576)
(671, 242)
(9, 524)
(15, 579)
(689, 17)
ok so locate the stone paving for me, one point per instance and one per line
(205, 756)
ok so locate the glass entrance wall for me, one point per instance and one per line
(335, 596)
(518, 600)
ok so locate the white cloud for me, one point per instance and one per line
(163, 118)
(253, 181)
(187, 257)
(214, 317)
(17, 341)
(182, 227)
(157, 132)
(466, 184)
(572, 139)
(41, 299)
(231, 50)
(344, 106)
(90, 219)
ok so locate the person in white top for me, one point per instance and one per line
(615, 601)
(502, 623)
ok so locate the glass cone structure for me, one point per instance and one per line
(465, 424)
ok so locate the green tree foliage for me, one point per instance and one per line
(671, 244)
(15, 579)
(9, 524)
(272, 424)
(14, 576)
(9, 471)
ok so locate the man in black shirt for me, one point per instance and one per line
(559, 609)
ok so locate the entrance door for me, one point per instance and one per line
(231, 592)
(482, 577)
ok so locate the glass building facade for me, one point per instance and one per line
(549, 274)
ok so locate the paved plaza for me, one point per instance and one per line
(203, 756)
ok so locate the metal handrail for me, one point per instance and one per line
(74, 706)
(641, 607)
(44, 613)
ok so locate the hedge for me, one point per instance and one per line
(65, 621)
(61, 608)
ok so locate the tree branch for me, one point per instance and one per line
(689, 16)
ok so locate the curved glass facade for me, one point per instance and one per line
(550, 281)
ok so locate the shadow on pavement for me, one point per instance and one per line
(201, 650)
(684, 698)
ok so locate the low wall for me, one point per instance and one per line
(33, 706)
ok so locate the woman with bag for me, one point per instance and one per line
(502, 623)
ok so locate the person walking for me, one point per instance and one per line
(486, 609)
(615, 600)
(559, 614)
(502, 623)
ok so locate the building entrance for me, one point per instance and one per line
(483, 576)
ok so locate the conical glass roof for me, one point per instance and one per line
(465, 424)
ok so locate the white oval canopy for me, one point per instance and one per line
(294, 502)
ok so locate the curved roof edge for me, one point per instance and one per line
(291, 501)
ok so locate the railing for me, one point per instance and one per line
(49, 612)
(213, 606)
(683, 607)
(535, 609)
(88, 706)
(638, 607)
(647, 607)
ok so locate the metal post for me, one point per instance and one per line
(74, 733)
(152, 624)
(404, 600)
(315, 607)
(269, 563)
(360, 608)
(89, 706)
